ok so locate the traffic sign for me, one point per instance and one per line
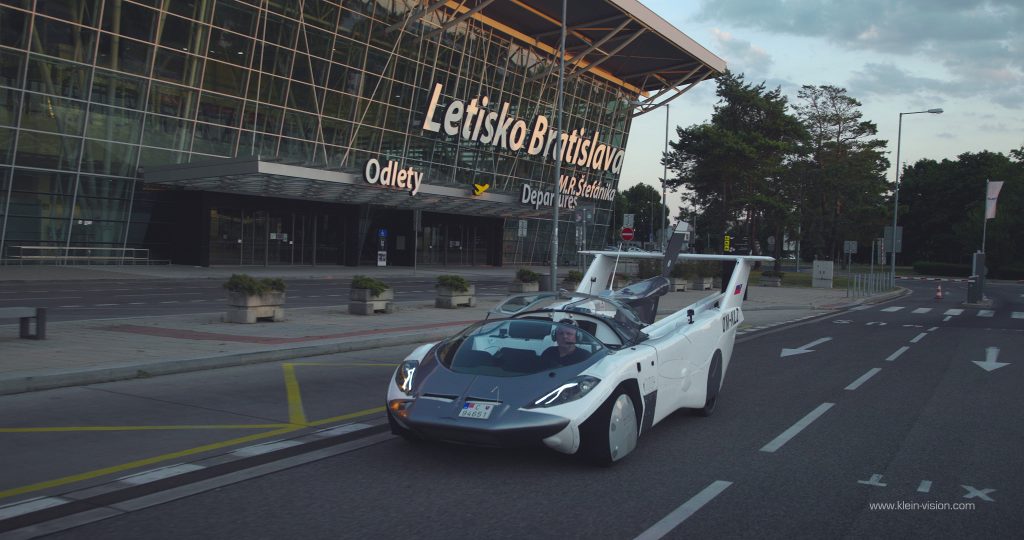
(626, 234)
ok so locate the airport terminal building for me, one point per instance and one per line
(299, 132)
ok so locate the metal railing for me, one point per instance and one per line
(61, 255)
(861, 285)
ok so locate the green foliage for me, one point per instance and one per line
(644, 202)
(375, 286)
(706, 269)
(455, 283)
(1014, 271)
(682, 271)
(930, 268)
(773, 274)
(648, 268)
(574, 276)
(244, 283)
(525, 275)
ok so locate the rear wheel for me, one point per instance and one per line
(714, 386)
(611, 433)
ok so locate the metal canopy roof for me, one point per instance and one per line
(621, 37)
(268, 178)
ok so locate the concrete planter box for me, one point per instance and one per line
(364, 302)
(450, 299)
(701, 284)
(245, 308)
(677, 284)
(520, 287)
(770, 281)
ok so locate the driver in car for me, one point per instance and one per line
(565, 351)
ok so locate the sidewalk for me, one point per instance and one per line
(87, 352)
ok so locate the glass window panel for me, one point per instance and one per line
(213, 139)
(224, 78)
(27, 228)
(6, 150)
(8, 106)
(63, 40)
(154, 157)
(13, 28)
(321, 14)
(130, 20)
(47, 150)
(87, 232)
(49, 113)
(179, 34)
(11, 68)
(123, 54)
(237, 17)
(275, 60)
(187, 8)
(271, 89)
(219, 109)
(80, 11)
(177, 67)
(299, 125)
(113, 124)
(172, 100)
(279, 31)
(57, 77)
(302, 97)
(229, 47)
(117, 89)
(167, 132)
(102, 187)
(104, 157)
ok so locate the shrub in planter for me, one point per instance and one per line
(251, 299)
(368, 296)
(572, 280)
(771, 278)
(679, 275)
(454, 291)
(526, 281)
(375, 286)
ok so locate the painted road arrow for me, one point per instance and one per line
(805, 348)
(990, 363)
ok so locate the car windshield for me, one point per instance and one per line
(517, 347)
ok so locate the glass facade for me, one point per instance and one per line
(94, 91)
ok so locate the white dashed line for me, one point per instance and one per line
(934, 328)
(796, 428)
(896, 354)
(922, 310)
(264, 448)
(1018, 314)
(687, 509)
(919, 337)
(986, 313)
(893, 309)
(31, 505)
(160, 474)
(947, 318)
(953, 312)
(863, 378)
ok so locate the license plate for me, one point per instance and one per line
(476, 409)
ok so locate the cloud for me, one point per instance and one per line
(741, 55)
(888, 79)
(946, 135)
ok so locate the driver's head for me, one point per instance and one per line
(565, 334)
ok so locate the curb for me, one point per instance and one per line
(49, 381)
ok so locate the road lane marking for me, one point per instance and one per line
(982, 494)
(861, 308)
(893, 309)
(919, 337)
(264, 448)
(687, 509)
(105, 305)
(986, 313)
(863, 378)
(341, 430)
(875, 480)
(1018, 314)
(947, 318)
(934, 328)
(896, 354)
(953, 312)
(159, 474)
(66, 429)
(925, 487)
(922, 310)
(43, 298)
(296, 414)
(796, 428)
(31, 505)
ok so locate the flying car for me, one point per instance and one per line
(583, 372)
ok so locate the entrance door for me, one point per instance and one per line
(225, 236)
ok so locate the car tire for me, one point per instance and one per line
(611, 433)
(714, 386)
(402, 432)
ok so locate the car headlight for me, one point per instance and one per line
(570, 391)
(403, 376)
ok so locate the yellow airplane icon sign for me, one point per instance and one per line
(480, 188)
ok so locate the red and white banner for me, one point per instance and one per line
(991, 198)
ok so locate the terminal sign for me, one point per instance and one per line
(392, 175)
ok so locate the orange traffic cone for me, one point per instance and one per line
(938, 292)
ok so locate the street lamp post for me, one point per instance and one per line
(896, 196)
(664, 178)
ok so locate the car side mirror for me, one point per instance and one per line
(689, 315)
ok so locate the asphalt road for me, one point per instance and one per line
(910, 404)
(82, 300)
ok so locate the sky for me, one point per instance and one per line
(963, 56)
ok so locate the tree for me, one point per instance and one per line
(644, 202)
(844, 186)
(735, 166)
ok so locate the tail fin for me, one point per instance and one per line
(675, 245)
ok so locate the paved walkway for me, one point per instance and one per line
(85, 352)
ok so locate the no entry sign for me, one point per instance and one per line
(626, 234)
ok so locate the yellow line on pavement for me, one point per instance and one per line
(349, 416)
(141, 463)
(58, 429)
(296, 414)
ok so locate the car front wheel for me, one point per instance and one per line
(611, 433)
